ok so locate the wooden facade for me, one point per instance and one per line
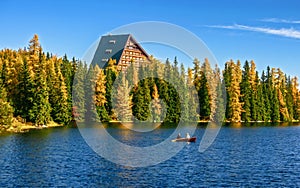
(123, 48)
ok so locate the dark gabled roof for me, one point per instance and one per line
(116, 48)
(105, 44)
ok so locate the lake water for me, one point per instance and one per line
(240, 156)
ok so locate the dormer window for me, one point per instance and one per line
(108, 51)
(112, 41)
(104, 60)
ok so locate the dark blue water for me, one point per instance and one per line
(248, 157)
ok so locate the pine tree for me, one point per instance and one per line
(279, 84)
(204, 98)
(212, 82)
(184, 91)
(289, 98)
(68, 69)
(227, 82)
(267, 94)
(257, 101)
(89, 88)
(219, 115)
(296, 98)
(35, 51)
(254, 98)
(174, 103)
(246, 93)
(111, 74)
(60, 106)
(78, 93)
(41, 109)
(233, 78)
(122, 99)
(6, 110)
(142, 98)
(25, 88)
(275, 114)
(156, 105)
(100, 93)
(261, 105)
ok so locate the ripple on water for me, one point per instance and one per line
(248, 157)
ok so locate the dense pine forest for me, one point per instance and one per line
(37, 87)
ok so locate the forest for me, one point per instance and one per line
(38, 87)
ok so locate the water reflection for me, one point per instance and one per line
(251, 156)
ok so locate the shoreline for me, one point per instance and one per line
(18, 127)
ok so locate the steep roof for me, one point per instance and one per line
(112, 46)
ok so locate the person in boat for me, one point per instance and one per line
(188, 135)
(178, 136)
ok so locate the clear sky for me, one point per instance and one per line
(267, 31)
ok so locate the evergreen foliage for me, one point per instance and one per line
(38, 87)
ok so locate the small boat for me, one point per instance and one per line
(192, 139)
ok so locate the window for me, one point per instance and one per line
(112, 41)
(104, 59)
(108, 51)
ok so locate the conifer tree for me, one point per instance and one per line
(246, 93)
(275, 113)
(68, 69)
(89, 88)
(60, 106)
(41, 109)
(156, 105)
(204, 98)
(78, 93)
(100, 93)
(6, 110)
(257, 101)
(296, 98)
(233, 77)
(212, 82)
(254, 98)
(111, 74)
(142, 98)
(122, 99)
(289, 98)
(25, 88)
(184, 91)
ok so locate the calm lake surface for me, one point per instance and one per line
(240, 156)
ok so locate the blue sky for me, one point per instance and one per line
(267, 31)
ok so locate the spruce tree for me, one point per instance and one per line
(60, 106)
(41, 109)
(289, 98)
(78, 93)
(111, 74)
(122, 99)
(296, 98)
(100, 92)
(141, 98)
(25, 88)
(233, 78)
(275, 113)
(246, 93)
(204, 98)
(89, 88)
(156, 110)
(6, 110)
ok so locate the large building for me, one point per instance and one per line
(123, 48)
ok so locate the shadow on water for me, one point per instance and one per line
(260, 124)
(239, 157)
